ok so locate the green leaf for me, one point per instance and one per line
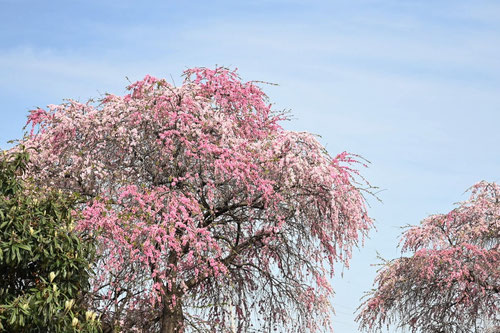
(13, 318)
(25, 247)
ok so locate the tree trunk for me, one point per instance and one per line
(172, 320)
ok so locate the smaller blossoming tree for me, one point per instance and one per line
(451, 283)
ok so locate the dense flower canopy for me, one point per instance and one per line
(207, 213)
(451, 283)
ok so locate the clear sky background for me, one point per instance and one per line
(411, 85)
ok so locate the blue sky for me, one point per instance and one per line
(413, 86)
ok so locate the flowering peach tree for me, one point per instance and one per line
(208, 215)
(451, 283)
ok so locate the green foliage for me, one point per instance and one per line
(44, 263)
